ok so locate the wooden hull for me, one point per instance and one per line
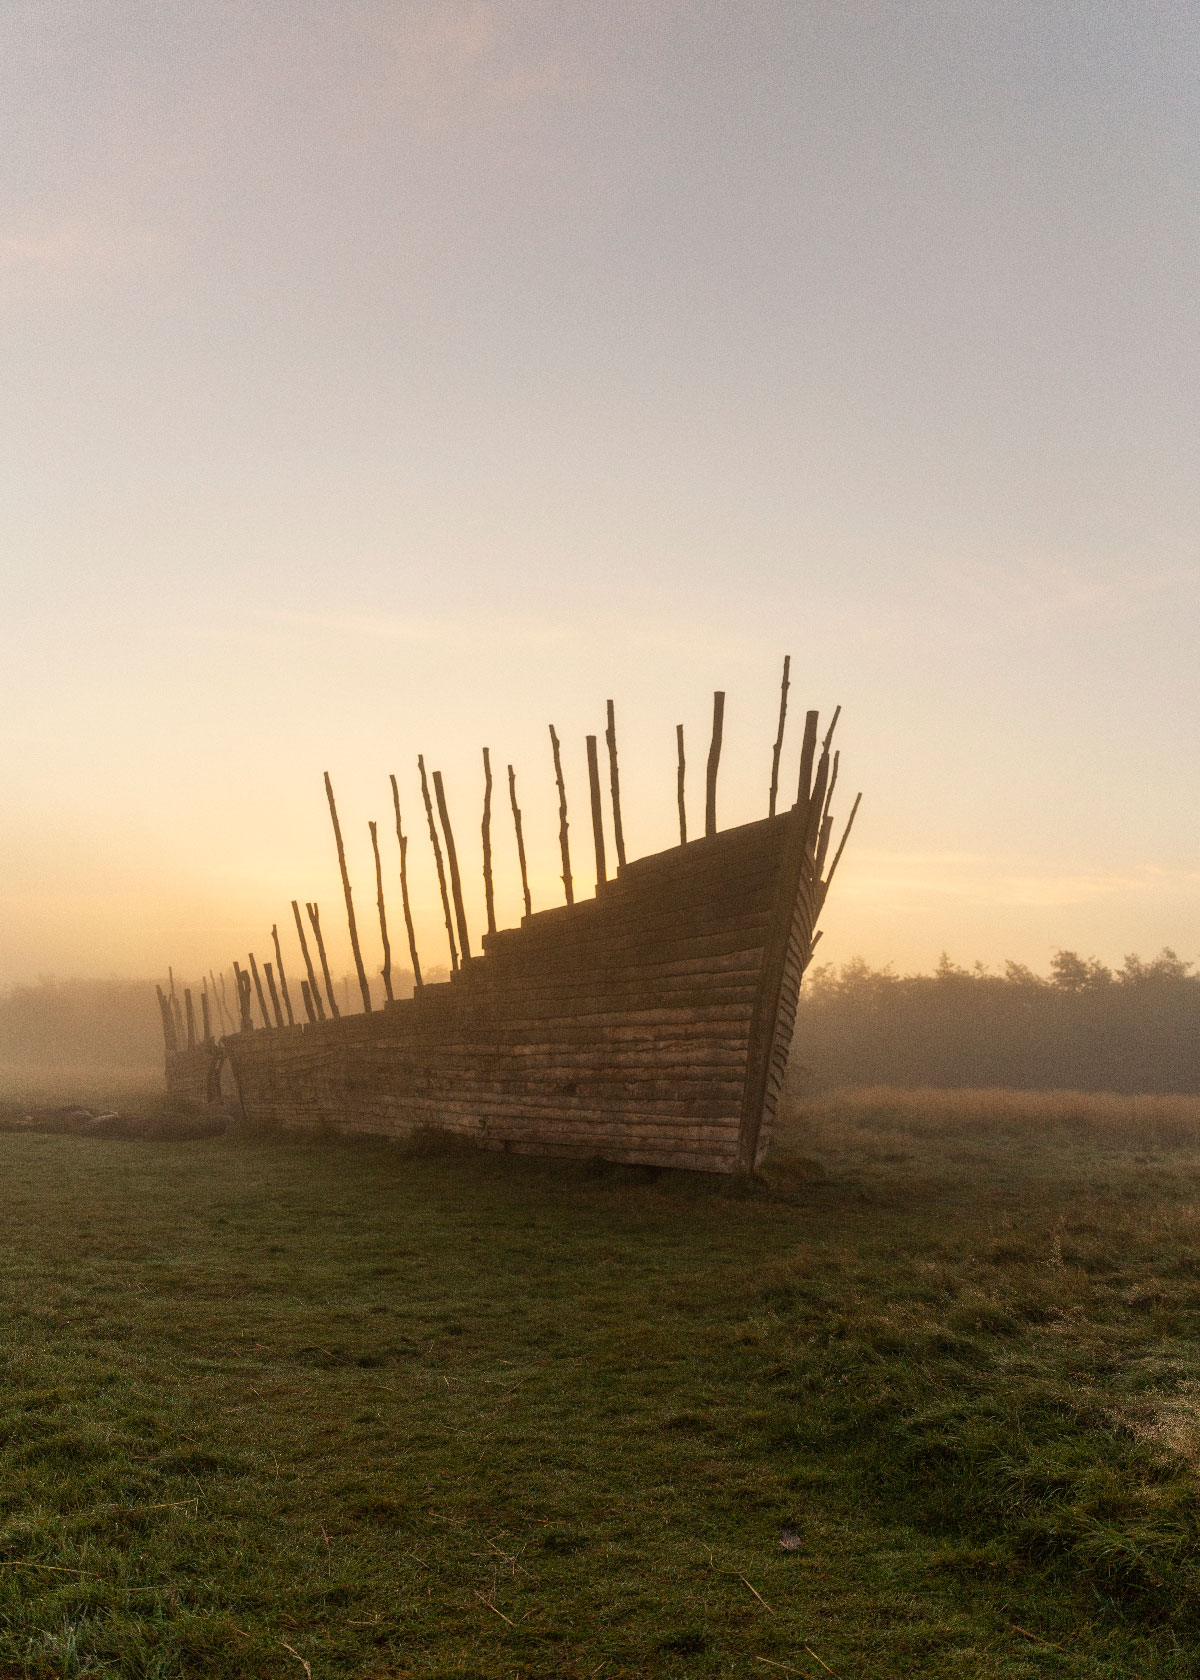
(650, 1024)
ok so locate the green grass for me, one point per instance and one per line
(393, 1413)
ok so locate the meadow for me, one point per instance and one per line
(921, 1401)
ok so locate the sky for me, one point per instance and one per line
(383, 379)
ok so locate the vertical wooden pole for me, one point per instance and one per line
(714, 759)
(205, 1017)
(242, 981)
(441, 873)
(597, 811)
(783, 694)
(170, 1043)
(306, 994)
(489, 896)
(314, 989)
(614, 780)
(460, 915)
(679, 785)
(837, 856)
(178, 1014)
(314, 916)
(283, 985)
(270, 975)
(516, 811)
(363, 986)
(262, 1001)
(807, 753)
(816, 806)
(227, 1021)
(383, 932)
(408, 921)
(563, 845)
(191, 1017)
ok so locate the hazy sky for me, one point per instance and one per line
(382, 378)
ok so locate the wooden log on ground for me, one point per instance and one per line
(597, 811)
(170, 1041)
(278, 1012)
(441, 872)
(807, 754)
(205, 1017)
(778, 749)
(314, 989)
(714, 759)
(383, 931)
(614, 782)
(191, 1017)
(460, 915)
(307, 996)
(679, 785)
(262, 1001)
(314, 916)
(402, 839)
(283, 985)
(516, 811)
(563, 845)
(489, 896)
(363, 985)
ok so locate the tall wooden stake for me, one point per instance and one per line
(516, 811)
(242, 981)
(714, 759)
(807, 753)
(783, 694)
(597, 811)
(441, 873)
(170, 1042)
(270, 976)
(837, 856)
(283, 985)
(614, 780)
(205, 1017)
(306, 994)
(314, 916)
(363, 984)
(489, 896)
(408, 921)
(679, 785)
(227, 1021)
(178, 1014)
(563, 846)
(314, 989)
(262, 1000)
(460, 915)
(383, 932)
(191, 1017)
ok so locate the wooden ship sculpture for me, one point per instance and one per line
(649, 1024)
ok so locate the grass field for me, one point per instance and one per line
(359, 1411)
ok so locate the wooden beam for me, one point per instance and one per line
(314, 916)
(242, 981)
(816, 807)
(178, 1014)
(170, 1042)
(597, 811)
(262, 1001)
(227, 1022)
(383, 932)
(306, 994)
(191, 1017)
(408, 921)
(314, 989)
(783, 694)
(563, 844)
(714, 759)
(441, 872)
(516, 811)
(363, 984)
(679, 785)
(283, 985)
(489, 896)
(460, 915)
(205, 1017)
(614, 780)
(270, 975)
(807, 753)
(837, 856)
